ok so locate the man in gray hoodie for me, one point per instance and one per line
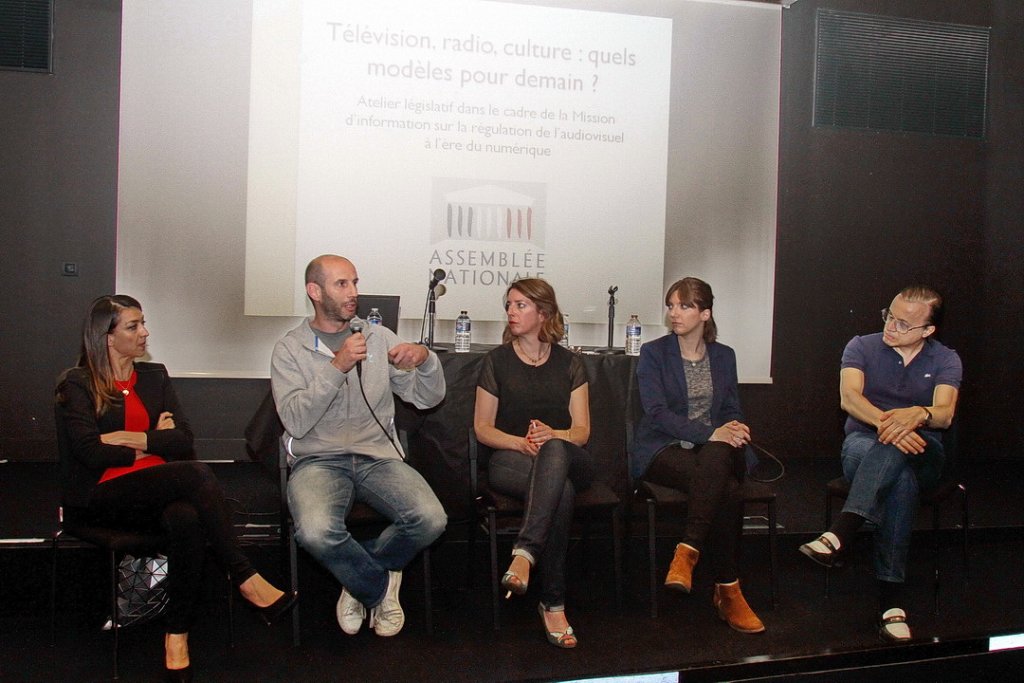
(333, 388)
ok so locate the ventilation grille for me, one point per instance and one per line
(891, 74)
(25, 30)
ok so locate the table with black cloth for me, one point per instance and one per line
(439, 436)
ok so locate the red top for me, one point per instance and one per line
(136, 419)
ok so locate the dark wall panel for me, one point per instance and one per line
(58, 203)
(860, 215)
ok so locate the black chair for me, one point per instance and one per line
(950, 486)
(597, 501)
(116, 543)
(361, 516)
(654, 496)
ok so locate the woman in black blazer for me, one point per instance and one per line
(129, 464)
(692, 437)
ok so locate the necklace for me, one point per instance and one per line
(694, 361)
(125, 385)
(540, 356)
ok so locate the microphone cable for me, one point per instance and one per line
(357, 328)
(765, 451)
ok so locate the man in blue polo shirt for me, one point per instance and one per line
(899, 389)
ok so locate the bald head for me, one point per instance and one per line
(316, 271)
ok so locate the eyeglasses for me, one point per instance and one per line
(902, 326)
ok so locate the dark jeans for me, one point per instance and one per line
(885, 485)
(547, 484)
(709, 475)
(184, 500)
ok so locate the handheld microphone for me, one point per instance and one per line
(439, 291)
(356, 325)
(436, 277)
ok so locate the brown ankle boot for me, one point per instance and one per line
(733, 608)
(680, 572)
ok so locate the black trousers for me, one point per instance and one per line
(184, 500)
(709, 474)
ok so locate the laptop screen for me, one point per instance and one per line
(387, 304)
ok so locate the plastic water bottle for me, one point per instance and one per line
(374, 318)
(565, 334)
(633, 336)
(463, 332)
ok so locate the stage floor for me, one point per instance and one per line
(806, 632)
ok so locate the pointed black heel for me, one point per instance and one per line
(278, 608)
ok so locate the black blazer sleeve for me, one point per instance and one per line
(157, 393)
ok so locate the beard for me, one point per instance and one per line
(334, 310)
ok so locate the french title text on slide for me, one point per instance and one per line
(573, 126)
(473, 44)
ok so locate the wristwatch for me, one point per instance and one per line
(927, 420)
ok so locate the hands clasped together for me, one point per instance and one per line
(734, 433)
(898, 427)
(538, 434)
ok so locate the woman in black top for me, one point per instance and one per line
(127, 463)
(533, 411)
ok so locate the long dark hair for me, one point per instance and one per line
(542, 294)
(696, 292)
(103, 316)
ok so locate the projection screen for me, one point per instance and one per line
(592, 143)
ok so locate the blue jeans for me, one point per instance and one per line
(547, 484)
(884, 489)
(321, 492)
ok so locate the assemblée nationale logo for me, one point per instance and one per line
(491, 213)
(497, 229)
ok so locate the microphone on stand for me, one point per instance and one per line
(434, 290)
(611, 322)
(357, 328)
(436, 278)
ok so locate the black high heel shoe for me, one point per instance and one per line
(178, 675)
(278, 608)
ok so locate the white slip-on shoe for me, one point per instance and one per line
(893, 626)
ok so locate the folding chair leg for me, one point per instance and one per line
(617, 546)
(293, 573)
(936, 566)
(828, 525)
(427, 593)
(966, 525)
(492, 532)
(773, 574)
(231, 612)
(651, 563)
(471, 555)
(53, 596)
(115, 622)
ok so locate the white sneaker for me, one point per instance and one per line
(350, 612)
(387, 618)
